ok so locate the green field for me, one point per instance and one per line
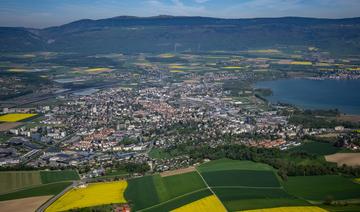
(159, 189)
(58, 176)
(159, 154)
(41, 190)
(236, 199)
(14, 180)
(248, 178)
(318, 188)
(180, 201)
(227, 164)
(141, 193)
(316, 148)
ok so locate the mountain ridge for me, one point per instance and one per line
(131, 34)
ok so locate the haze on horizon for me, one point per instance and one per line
(44, 13)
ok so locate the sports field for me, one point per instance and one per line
(318, 188)
(92, 195)
(14, 117)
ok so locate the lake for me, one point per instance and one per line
(316, 94)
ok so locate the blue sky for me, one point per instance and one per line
(43, 13)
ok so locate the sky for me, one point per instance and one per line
(44, 13)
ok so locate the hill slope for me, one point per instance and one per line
(160, 34)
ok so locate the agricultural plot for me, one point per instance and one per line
(290, 209)
(316, 148)
(179, 201)
(350, 159)
(29, 204)
(15, 117)
(228, 164)
(57, 176)
(92, 195)
(246, 178)
(160, 189)
(207, 204)
(14, 180)
(236, 199)
(41, 190)
(319, 188)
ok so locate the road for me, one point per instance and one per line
(43, 207)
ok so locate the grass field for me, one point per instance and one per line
(14, 117)
(316, 148)
(236, 199)
(92, 195)
(207, 204)
(57, 176)
(248, 178)
(180, 201)
(290, 209)
(159, 189)
(137, 197)
(320, 187)
(227, 164)
(13, 180)
(41, 190)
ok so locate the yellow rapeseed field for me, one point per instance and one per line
(92, 195)
(207, 204)
(232, 67)
(290, 209)
(303, 63)
(14, 117)
(98, 70)
(167, 55)
(176, 66)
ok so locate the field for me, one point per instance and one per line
(291, 209)
(179, 201)
(318, 188)
(207, 204)
(316, 148)
(236, 199)
(350, 159)
(247, 178)
(177, 171)
(41, 190)
(29, 204)
(227, 164)
(57, 176)
(160, 189)
(9, 125)
(15, 117)
(92, 195)
(11, 181)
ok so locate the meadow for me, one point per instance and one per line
(15, 117)
(247, 178)
(41, 190)
(57, 176)
(13, 180)
(236, 199)
(92, 195)
(228, 164)
(160, 189)
(318, 188)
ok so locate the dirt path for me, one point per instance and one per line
(24, 205)
(178, 171)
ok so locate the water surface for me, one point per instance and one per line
(316, 94)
